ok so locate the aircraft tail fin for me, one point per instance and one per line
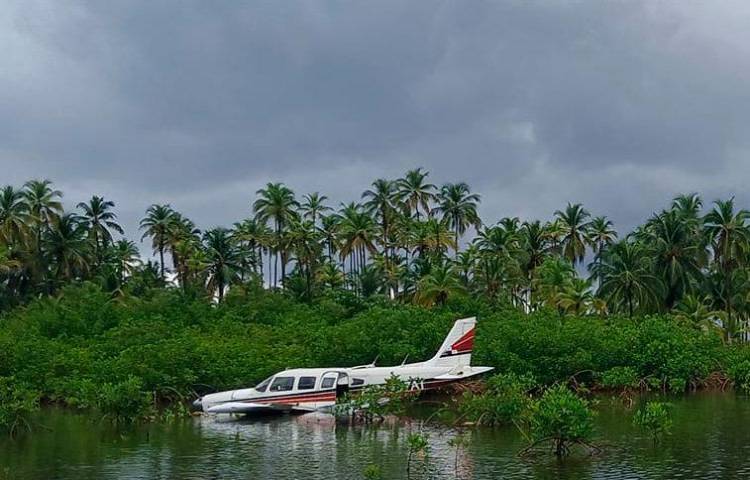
(457, 346)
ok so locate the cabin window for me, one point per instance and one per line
(262, 386)
(282, 384)
(357, 381)
(306, 383)
(328, 382)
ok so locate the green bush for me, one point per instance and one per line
(561, 417)
(619, 378)
(124, 402)
(17, 404)
(656, 418)
(502, 402)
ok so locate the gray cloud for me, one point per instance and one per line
(617, 105)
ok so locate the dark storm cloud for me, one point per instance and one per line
(617, 105)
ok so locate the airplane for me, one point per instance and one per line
(316, 389)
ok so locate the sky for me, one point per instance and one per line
(617, 105)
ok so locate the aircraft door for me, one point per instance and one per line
(342, 385)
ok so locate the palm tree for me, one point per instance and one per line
(458, 207)
(695, 311)
(126, 257)
(555, 276)
(305, 242)
(626, 278)
(157, 224)
(256, 236)
(330, 276)
(381, 202)
(730, 239)
(313, 205)
(44, 206)
(183, 240)
(222, 260)
(574, 222)
(68, 247)
(688, 206)
(329, 229)
(535, 247)
(437, 286)
(99, 218)
(414, 192)
(276, 204)
(14, 216)
(600, 235)
(357, 233)
(677, 251)
(576, 297)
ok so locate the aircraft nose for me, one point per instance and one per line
(198, 404)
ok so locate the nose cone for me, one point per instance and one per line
(198, 405)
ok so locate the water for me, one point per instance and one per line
(711, 440)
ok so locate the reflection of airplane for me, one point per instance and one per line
(310, 389)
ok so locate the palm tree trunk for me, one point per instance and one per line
(161, 260)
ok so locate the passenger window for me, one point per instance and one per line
(306, 383)
(328, 382)
(282, 384)
(262, 386)
(357, 381)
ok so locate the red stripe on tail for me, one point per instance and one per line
(466, 342)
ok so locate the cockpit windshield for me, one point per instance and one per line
(262, 386)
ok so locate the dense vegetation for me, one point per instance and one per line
(88, 323)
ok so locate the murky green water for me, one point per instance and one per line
(711, 440)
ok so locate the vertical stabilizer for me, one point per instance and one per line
(457, 346)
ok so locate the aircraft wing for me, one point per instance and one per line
(245, 407)
(465, 372)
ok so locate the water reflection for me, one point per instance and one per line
(710, 440)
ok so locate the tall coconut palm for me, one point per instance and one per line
(730, 239)
(183, 239)
(66, 243)
(305, 243)
(574, 220)
(458, 207)
(600, 235)
(257, 237)
(44, 206)
(329, 229)
(101, 221)
(381, 200)
(222, 261)
(626, 278)
(276, 203)
(14, 216)
(313, 205)
(357, 233)
(415, 192)
(678, 254)
(157, 224)
(535, 248)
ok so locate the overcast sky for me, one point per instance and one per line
(619, 105)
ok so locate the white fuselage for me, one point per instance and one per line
(309, 389)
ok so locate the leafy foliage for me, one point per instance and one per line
(560, 417)
(503, 402)
(17, 404)
(656, 418)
